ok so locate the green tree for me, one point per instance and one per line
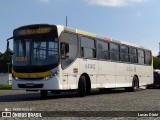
(5, 62)
(156, 62)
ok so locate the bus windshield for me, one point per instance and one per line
(36, 50)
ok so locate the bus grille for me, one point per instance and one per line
(31, 86)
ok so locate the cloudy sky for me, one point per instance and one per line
(133, 21)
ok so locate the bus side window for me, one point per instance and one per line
(141, 57)
(124, 53)
(102, 50)
(82, 51)
(115, 51)
(69, 48)
(62, 50)
(148, 58)
(66, 50)
(88, 48)
(133, 55)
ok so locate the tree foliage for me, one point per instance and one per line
(5, 62)
(156, 62)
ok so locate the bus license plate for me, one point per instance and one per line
(29, 84)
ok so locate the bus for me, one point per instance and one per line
(54, 58)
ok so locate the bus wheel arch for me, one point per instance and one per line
(84, 85)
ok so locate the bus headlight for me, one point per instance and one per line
(14, 77)
(52, 75)
(46, 78)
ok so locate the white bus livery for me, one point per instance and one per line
(56, 58)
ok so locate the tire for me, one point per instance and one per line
(88, 88)
(88, 91)
(82, 87)
(44, 93)
(135, 85)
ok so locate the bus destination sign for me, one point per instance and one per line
(32, 31)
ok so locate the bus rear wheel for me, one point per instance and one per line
(44, 93)
(135, 85)
(82, 86)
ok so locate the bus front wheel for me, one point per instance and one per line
(82, 86)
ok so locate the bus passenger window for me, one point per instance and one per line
(62, 50)
(103, 52)
(115, 51)
(88, 48)
(69, 48)
(133, 55)
(140, 56)
(82, 52)
(148, 58)
(124, 53)
(66, 50)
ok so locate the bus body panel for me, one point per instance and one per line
(147, 74)
(106, 74)
(123, 75)
(70, 75)
(89, 67)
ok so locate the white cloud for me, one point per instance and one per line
(115, 3)
(45, 1)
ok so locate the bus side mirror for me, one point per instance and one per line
(8, 50)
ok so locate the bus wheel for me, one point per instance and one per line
(44, 93)
(135, 84)
(82, 86)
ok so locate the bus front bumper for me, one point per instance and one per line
(40, 84)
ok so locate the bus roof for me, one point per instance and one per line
(99, 36)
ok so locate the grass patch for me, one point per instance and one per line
(5, 87)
